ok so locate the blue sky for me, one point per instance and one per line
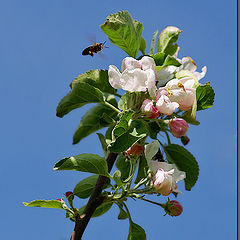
(41, 44)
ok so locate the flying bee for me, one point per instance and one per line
(96, 47)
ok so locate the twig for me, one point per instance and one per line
(94, 201)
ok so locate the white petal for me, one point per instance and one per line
(188, 82)
(173, 84)
(130, 63)
(135, 80)
(165, 106)
(151, 149)
(147, 105)
(151, 83)
(178, 175)
(147, 63)
(159, 176)
(114, 77)
(165, 74)
(202, 74)
(188, 64)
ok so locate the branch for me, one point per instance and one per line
(94, 201)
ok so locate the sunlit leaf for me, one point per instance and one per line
(124, 32)
(184, 161)
(85, 162)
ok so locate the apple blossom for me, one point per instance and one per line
(178, 127)
(166, 175)
(181, 91)
(165, 106)
(163, 182)
(136, 76)
(149, 109)
(189, 64)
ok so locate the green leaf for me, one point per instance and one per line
(205, 96)
(153, 41)
(122, 214)
(85, 162)
(136, 232)
(187, 116)
(108, 135)
(122, 104)
(124, 166)
(103, 143)
(85, 187)
(184, 161)
(141, 168)
(159, 59)
(81, 94)
(171, 61)
(96, 78)
(154, 128)
(96, 118)
(103, 208)
(122, 125)
(125, 139)
(167, 39)
(142, 46)
(45, 204)
(124, 32)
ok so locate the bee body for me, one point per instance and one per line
(97, 47)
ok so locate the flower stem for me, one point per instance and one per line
(159, 204)
(111, 106)
(168, 138)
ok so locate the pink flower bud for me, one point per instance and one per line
(185, 140)
(173, 208)
(178, 127)
(134, 150)
(148, 108)
(69, 194)
(163, 182)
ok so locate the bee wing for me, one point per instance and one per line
(92, 38)
(102, 55)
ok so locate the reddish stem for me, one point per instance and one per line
(94, 201)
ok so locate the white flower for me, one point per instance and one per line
(188, 65)
(165, 106)
(165, 175)
(181, 91)
(136, 76)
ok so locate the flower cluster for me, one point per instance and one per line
(169, 89)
